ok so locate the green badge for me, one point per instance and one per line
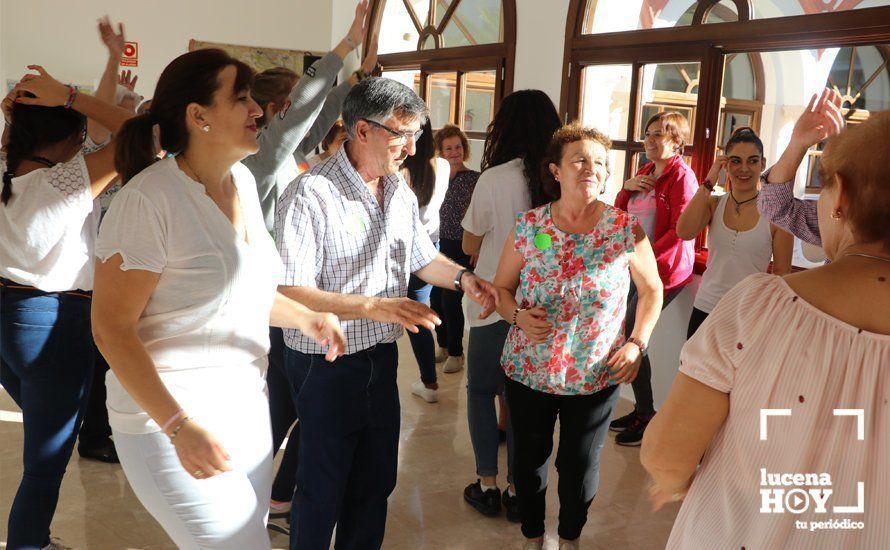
(358, 225)
(543, 241)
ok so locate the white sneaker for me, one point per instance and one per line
(453, 364)
(56, 544)
(441, 355)
(427, 394)
(533, 545)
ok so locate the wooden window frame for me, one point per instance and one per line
(499, 57)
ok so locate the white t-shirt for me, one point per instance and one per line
(500, 194)
(48, 228)
(429, 214)
(206, 325)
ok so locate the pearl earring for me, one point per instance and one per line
(205, 128)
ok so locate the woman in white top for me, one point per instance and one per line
(511, 182)
(49, 217)
(740, 241)
(427, 175)
(185, 293)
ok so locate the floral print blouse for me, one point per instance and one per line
(581, 281)
(455, 204)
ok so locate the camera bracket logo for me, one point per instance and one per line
(798, 492)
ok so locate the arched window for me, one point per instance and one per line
(458, 55)
(725, 64)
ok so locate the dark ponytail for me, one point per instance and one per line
(522, 128)
(421, 176)
(32, 128)
(192, 77)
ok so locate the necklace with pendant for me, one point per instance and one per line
(738, 205)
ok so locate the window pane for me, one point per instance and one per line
(473, 22)
(738, 78)
(408, 78)
(442, 98)
(669, 87)
(616, 178)
(429, 43)
(724, 12)
(476, 148)
(421, 9)
(397, 30)
(478, 100)
(621, 15)
(792, 77)
(605, 100)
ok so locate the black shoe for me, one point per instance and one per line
(633, 435)
(621, 424)
(487, 502)
(511, 505)
(104, 452)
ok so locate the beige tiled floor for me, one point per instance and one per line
(98, 511)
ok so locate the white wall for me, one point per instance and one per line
(62, 36)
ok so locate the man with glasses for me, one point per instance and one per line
(349, 233)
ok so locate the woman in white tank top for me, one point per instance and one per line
(740, 241)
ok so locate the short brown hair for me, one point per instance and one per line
(450, 131)
(676, 124)
(272, 86)
(859, 156)
(570, 133)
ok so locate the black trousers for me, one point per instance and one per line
(95, 430)
(695, 320)
(583, 425)
(449, 307)
(642, 385)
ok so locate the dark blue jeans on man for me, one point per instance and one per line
(349, 445)
(46, 366)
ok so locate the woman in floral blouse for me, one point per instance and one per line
(566, 353)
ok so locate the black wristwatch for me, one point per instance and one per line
(457, 278)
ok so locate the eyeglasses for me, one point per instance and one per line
(402, 136)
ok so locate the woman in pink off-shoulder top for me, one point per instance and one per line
(783, 390)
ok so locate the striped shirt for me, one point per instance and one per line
(777, 204)
(809, 369)
(332, 235)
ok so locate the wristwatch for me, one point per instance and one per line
(638, 343)
(457, 278)
(708, 185)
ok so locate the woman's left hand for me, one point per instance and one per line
(659, 497)
(482, 292)
(325, 329)
(49, 92)
(356, 32)
(625, 363)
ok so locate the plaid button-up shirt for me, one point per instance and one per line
(797, 216)
(332, 235)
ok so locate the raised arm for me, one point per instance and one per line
(50, 92)
(820, 120)
(700, 209)
(114, 42)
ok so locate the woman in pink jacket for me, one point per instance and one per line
(657, 195)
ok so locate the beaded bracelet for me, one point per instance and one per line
(516, 313)
(178, 427)
(72, 94)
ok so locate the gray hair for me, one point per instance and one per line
(378, 99)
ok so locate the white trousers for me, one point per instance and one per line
(228, 510)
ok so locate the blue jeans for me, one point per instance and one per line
(485, 381)
(46, 365)
(422, 342)
(349, 447)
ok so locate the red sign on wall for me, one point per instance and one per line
(131, 55)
